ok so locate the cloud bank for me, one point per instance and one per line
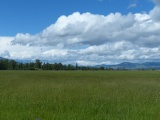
(90, 39)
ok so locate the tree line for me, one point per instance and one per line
(6, 64)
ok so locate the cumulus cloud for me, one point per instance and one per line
(79, 28)
(90, 39)
(90, 29)
(155, 13)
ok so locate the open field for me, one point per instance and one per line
(80, 95)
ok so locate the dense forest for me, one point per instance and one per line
(6, 64)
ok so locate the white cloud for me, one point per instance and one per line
(132, 6)
(79, 28)
(155, 13)
(109, 53)
(89, 29)
(90, 39)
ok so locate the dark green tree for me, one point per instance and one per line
(38, 64)
(13, 64)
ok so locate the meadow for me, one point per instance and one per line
(79, 95)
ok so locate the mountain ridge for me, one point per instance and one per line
(1, 58)
(133, 66)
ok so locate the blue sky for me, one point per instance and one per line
(87, 32)
(32, 16)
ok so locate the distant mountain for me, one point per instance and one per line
(1, 58)
(134, 66)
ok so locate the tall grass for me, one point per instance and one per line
(80, 95)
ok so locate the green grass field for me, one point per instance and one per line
(79, 95)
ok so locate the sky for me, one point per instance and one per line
(87, 32)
